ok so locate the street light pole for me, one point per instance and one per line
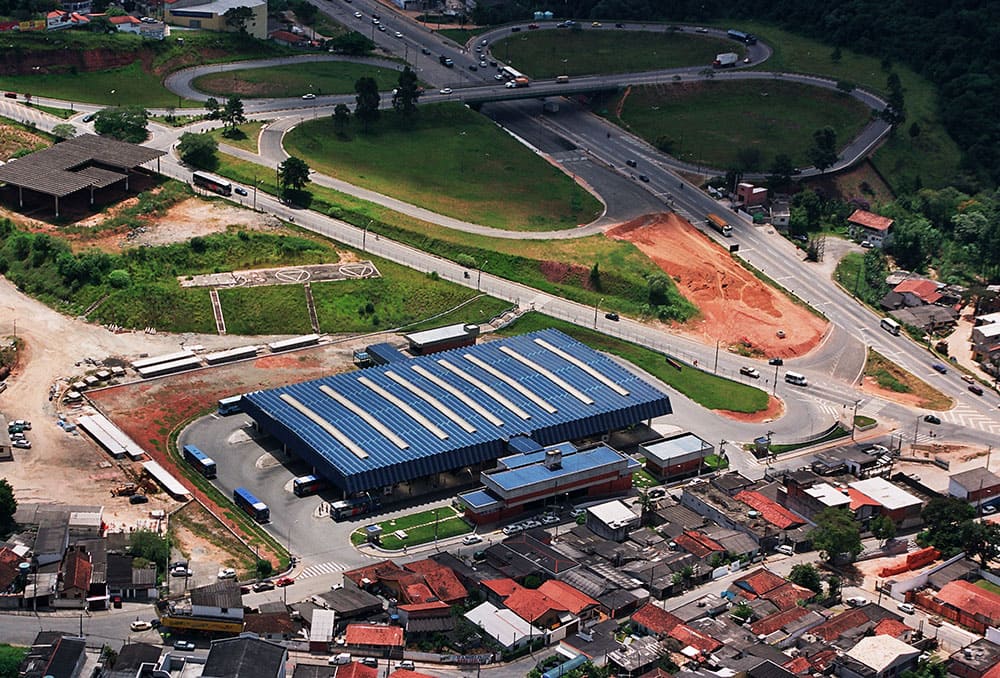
(774, 386)
(364, 236)
(479, 278)
(854, 418)
(595, 311)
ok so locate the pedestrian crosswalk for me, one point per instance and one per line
(329, 567)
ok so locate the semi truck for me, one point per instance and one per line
(720, 225)
(726, 60)
(517, 82)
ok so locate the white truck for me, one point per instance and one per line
(726, 60)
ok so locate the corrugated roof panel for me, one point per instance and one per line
(428, 453)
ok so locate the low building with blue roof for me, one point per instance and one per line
(454, 410)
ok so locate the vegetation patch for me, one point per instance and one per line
(738, 123)
(546, 54)
(708, 390)
(479, 173)
(420, 528)
(194, 519)
(17, 139)
(294, 80)
(245, 137)
(624, 273)
(890, 376)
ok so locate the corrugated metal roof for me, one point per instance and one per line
(495, 408)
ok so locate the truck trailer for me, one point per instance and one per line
(726, 60)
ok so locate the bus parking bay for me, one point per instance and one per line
(244, 459)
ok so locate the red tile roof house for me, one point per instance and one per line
(577, 602)
(441, 579)
(376, 640)
(534, 607)
(874, 228)
(965, 603)
(771, 511)
(654, 620)
(925, 290)
(788, 595)
(76, 572)
(698, 544)
(757, 583)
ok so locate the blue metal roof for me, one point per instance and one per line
(479, 499)
(383, 354)
(571, 465)
(573, 392)
(535, 456)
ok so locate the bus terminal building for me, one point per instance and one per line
(458, 411)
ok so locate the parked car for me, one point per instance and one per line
(244, 590)
(140, 625)
(549, 520)
(227, 573)
(932, 419)
(406, 664)
(989, 509)
(340, 659)
(21, 444)
(138, 499)
(775, 361)
(657, 492)
(184, 645)
(856, 601)
(935, 621)
(470, 539)
(750, 372)
(577, 512)
(89, 117)
(23, 423)
(612, 316)
(284, 581)
(479, 555)
(866, 244)
(181, 572)
(239, 190)
(369, 661)
(906, 608)
(263, 586)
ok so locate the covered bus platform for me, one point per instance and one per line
(84, 162)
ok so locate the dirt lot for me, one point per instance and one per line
(736, 307)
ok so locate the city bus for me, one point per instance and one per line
(230, 405)
(303, 486)
(212, 183)
(250, 504)
(512, 74)
(890, 326)
(201, 461)
(346, 508)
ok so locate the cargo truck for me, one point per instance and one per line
(720, 225)
(726, 60)
(517, 82)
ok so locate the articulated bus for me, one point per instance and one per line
(253, 506)
(212, 183)
(890, 326)
(230, 405)
(341, 510)
(201, 461)
(303, 486)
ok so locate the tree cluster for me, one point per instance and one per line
(125, 123)
(951, 527)
(837, 535)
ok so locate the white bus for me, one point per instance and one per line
(796, 378)
(890, 326)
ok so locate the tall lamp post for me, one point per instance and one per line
(479, 277)
(364, 235)
(595, 311)
(854, 418)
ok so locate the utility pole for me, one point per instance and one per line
(715, 370)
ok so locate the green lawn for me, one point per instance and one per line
(714, 122)
(643, 479)
(63, 113)
(479, 173)
(546, 54)
(560, 267)
(323, 77)
(988, 585)
(131, 86)
(279, 309)
(932, 156)
(247, 138)
(419, 528)
(708, 390)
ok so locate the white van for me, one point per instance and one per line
(786, 550)
(796, 378)
(338, 659)
(562, 78)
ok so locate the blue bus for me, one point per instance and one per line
(303, 486)
(201, 461)
(230, 405)
(745, 38)
(253, 506)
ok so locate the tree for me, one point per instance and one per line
(238, 17)
(944, 518)
(293, 175)
(8, 506)
(742, 611)
(806, 575)
(882, 528)
(232, 114)
(64, 131)
(101, 24)
(894, 113)
(404, 97)
(198, 150)
(824, 151)
(125, 123)
(930, 668)
(367, 101)
(341, 116)
(263, 568)
(781, 170)
(836, 535)
(212, 106)
(981, 540)
(150, 546)
(352, 43)
(833, 584)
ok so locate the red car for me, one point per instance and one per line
(284, 581)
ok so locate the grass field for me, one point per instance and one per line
(708, 390)
(247, 139)
(322, 77)
(892, 377)
(988, 585)
(116, 87)
(713, 122)
(546, 54)
(932, 156)
(419, 528)
(63, 113)
(479, 174)
(545, 264)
